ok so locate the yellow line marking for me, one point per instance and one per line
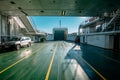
(11, 65)
(109, 58)
(51, 62)
(94, 70)
(17, 62)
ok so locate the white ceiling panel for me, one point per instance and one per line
(55, 7)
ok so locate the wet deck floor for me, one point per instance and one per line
(60, 60)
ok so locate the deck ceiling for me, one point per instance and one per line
(58, 7)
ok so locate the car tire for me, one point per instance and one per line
(17, 47)
(28, 45)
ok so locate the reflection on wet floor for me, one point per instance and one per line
(70, 62)
(72, 69)
(25, 53)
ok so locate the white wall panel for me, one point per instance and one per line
(71, 37)
(97, 40)
(101, 40)
(50, 37)
(81, 39)
(111, 42)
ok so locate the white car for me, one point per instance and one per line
(17, 42)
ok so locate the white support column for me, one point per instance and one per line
(11, 27)
(3, 25)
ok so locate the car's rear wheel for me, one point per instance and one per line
(17, 47)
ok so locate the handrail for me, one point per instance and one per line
(115, 16)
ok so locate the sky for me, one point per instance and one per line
(47, 23)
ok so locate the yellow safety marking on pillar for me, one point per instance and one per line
(94, 70)
(51, 62)
(17, 62)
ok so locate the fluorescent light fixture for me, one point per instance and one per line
(63, 13)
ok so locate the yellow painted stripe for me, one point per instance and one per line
(50, 66)
(11, 65)
(94, 70)
(117, 61)
(17, 62)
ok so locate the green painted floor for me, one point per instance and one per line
(58, 60)
(33, 63)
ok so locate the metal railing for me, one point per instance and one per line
(114, 18)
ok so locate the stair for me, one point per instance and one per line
(114, 22)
